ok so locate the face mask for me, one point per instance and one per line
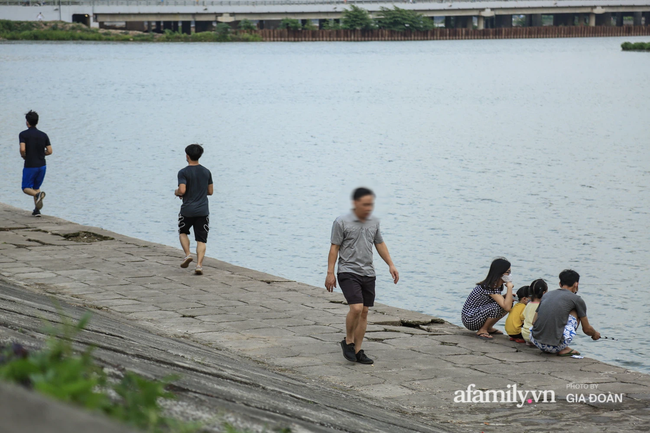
(507, 278)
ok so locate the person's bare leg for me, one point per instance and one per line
(351, 322)
(32, 192)
(185, 243)
(360, 330)
(200, 253)
(568, 349)
(489, 324)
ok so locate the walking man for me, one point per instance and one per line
(34, 147)
(194, 187)
(353, 236)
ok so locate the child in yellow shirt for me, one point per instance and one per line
(515, 319)
(536, 290)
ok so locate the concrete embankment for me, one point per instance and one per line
(263, 326)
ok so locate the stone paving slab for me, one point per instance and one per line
(421, 361)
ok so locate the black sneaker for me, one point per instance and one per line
(348, 351)
(363, 359)
(39, 200)
(36, 213)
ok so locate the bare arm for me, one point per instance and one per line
(48, 150)
(382, 249)
(210, 189)
(588, 329)
(180, 191)
(330, 280)
(505, 302)
(23, 151)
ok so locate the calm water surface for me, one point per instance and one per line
(537, 150)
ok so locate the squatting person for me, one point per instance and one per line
(34, 147)
(353, 236)
(558, 316)
(486, 304)
(194, 187)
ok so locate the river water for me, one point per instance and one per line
(537, 150)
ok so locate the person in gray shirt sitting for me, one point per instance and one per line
(558, 316)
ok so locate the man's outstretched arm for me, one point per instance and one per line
(382, 249)
(588, 329)
(330, 280)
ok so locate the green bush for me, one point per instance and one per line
(246, 37)
(58, 372)
(309, 25)
(331, 25)
(16, 26)
(401, 19)
(247, 25)
(223, 29)
(290, 24)
(636, 46)
(357, 18)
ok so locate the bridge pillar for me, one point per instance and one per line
(174, 26)
(619, 19)
(166, 25)
(503, 21)
(604, 19)
(480, 22)
(536, 20)
(186, 27)
(637, 18)
(592, 20)
(448, 22)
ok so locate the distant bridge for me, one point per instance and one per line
(180, 14)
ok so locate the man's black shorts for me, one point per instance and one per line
(357, 289)
(201, 226)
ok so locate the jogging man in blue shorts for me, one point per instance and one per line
(34, 147)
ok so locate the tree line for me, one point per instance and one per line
(356, 18)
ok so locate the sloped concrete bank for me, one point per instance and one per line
(260, 326)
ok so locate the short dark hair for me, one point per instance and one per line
(194, 151)
(498, 267)
(32, 118)
(569, 277)
(361, 192)
(523, 292)
(538, 288)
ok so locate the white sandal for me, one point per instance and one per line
(198, 270)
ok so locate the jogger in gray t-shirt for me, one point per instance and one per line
(194, 187)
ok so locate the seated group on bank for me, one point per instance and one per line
(539, 318)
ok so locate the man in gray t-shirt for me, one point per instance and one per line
(558, 316)
(353, 237)
(194, 187)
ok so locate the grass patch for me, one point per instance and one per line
(635, 46)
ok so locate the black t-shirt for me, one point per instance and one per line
(35, 143)
(196, 179)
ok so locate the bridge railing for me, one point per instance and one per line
(220, 2)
